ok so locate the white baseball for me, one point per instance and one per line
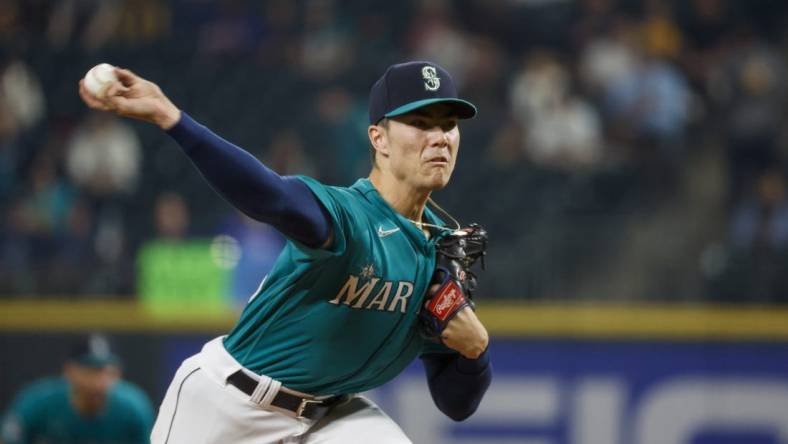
(99, 78)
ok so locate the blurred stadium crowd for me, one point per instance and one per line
(625, 150)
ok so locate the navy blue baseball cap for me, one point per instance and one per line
(93, 351)
(405, 87)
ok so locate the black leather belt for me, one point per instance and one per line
(303, 407)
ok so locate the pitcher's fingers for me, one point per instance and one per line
(122, 106)
(88, 98)
(117, 89)
(125, 76)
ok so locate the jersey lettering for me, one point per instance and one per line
(349, 290)
(350, 294)
(404, 290)
(381, 298)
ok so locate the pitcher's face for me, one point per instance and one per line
(423, 146)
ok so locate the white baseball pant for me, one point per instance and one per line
(200, 407)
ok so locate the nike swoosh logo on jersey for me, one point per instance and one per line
(384, 233)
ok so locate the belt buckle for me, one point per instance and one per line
(304, 403)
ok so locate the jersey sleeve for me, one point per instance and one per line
(19, 421)
(138, 410)
(250, 186)
(336, 202)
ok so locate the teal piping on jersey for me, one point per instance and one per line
(465, 109)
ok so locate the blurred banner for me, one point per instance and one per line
(563, 374)
(611, 392)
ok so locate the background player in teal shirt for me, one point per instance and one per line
(89, 404)
(337, 314)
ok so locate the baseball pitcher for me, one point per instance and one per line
(369, 279)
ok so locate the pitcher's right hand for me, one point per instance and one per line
(134, 97)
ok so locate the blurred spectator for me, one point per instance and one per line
(749, 85)
(89, 23)
(760, 220)
(286, 154)
(505, 150)
(655, 100)
(646, 101)
(180, 274)
(46, 202)
(376, 33)
(342, 122)
(541, 82)
(707, 23)
(434, 36)
(22, 110)
(9, 149)
(143, 21)
(171, 217)
(608, 58)
(74, 261)
(487, 75)
(561, 131)
(35, 222)
(592, 18)
(234, 29)
(10, 21)
(758, 259)
(641, 90)
(103, 157)
(23, 97)
(325, 48)
(630, 100)
(661, 34)
(567, 135)
(280, 19)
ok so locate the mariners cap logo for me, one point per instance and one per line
(98, 347)
(407, 86)
(431, 80)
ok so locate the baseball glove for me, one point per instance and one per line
(455, 253)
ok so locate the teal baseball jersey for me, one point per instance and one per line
(43, 414)
(342, 319)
